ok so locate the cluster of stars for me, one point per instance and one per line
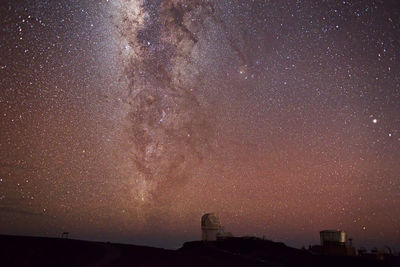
(121, 117)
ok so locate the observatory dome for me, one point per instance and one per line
(210, 221)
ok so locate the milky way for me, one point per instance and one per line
(127, 120)
(168, 119)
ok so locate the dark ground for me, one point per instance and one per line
(40, 251)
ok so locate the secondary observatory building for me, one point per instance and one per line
(334, 242)
(333, 238)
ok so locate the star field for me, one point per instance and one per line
(126, 120)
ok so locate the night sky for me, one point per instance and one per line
(126, 120)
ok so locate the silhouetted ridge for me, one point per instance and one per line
(232, 251)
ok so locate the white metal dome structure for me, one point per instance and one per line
(210, 227)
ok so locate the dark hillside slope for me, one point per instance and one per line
(40, 251)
